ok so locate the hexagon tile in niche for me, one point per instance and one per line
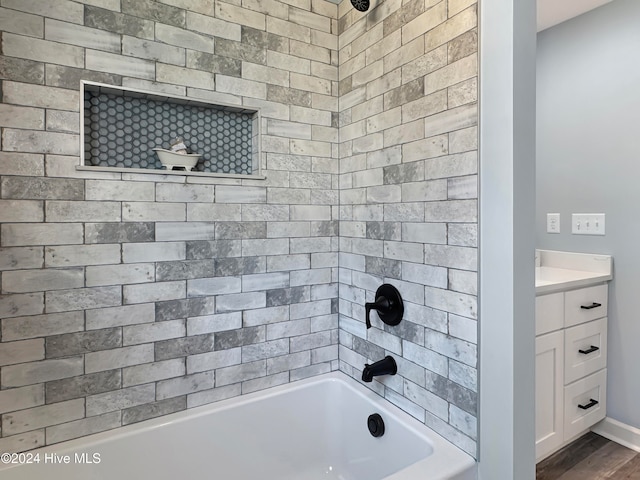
(121, 131)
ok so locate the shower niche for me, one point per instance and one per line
(122, 127)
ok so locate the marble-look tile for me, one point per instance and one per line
(429, 359)
(182, 347)
(463, 421)
(20, 398)
(147, 9)
(83, 427)
(118, 358)
(383, 230)
(120, 399)
(451, 347)
(82, 386)
(153, 332)
(287, 329)
(287, 296)
(239, 337)
(43, 371)
(409, 331)
(213, 395)
(368, 349)
(69, 77)
(452, 392)
(19, 328)
(82, 342)
(185, 385)
(119, 316)
(241, 373)
(200, 250)
(83, 298)
(463, 234)
(153, 410)
(182, 308)
(117, 22)
(119, 232)
(21, 351)
(429, 401)
(214, 360)
(38, 417)
(215, 323)
(383, 267)
(227, 267)
(288, 362)
(152, 372)
(463, 375)
(184, 269)
(154, 292)
(35, 188)
(20, 281)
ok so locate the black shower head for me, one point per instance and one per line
(362, 5)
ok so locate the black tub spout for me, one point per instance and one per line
(386, 366)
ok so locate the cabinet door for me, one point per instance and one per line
(549, 392)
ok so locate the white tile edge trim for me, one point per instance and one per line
(183, 173)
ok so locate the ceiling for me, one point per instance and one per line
(553, 12)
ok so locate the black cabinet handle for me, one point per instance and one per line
(589, 350)
(589, 307)
(592, 403)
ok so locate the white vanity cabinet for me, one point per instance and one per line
(549, 392)
(571, 359)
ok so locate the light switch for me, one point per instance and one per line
(553, 223)
(588, 224)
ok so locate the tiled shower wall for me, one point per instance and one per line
(129, 296)
(408, 203)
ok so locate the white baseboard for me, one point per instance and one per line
(619, 432)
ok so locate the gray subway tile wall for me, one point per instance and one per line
(128, 296)
(408, 203)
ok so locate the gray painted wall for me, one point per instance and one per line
(507, 198)
(588, 124)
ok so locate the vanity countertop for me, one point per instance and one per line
(556, 271)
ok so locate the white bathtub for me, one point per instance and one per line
(308, 430)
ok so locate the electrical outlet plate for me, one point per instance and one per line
(588, 224)
(553, 223)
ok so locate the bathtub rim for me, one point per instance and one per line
(445, 462)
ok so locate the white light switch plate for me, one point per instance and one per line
(588, 224)
(553, 223)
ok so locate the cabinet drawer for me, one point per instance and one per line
(549, 313)
(584, 305)
(585, 403)
(585, 349)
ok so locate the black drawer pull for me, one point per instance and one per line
(589, 350)
(592, 403)
(589, 307)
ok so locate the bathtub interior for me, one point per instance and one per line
(312, 431)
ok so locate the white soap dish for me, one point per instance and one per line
(172, 160)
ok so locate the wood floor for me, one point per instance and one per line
(591, 457)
